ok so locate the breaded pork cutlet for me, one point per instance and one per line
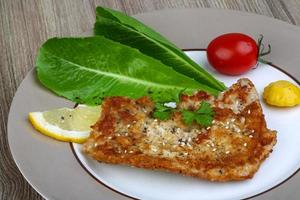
(232, 148)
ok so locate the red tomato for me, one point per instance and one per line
(232, 53)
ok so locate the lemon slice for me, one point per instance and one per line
(65, 124)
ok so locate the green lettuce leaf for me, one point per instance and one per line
(85, 70)
(129, 31)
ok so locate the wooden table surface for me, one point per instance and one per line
(25, 25)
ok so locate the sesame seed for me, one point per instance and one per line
(250, 136)
(109, 138)
(118, 151)
(155, 120)
(245, 144)
(249, 111)
(213, 121)
(153, 149)
(208, 145)
(130, 151)
(227, 152)
(185, 153)
(214, 149)
(236, 129)
(232, 120)
(125, 151)
(134, 122)
(212, 144)
(227, 122)
(243, 120)
(208, 128)
(128, 125)
(163, 144)
(252, 131)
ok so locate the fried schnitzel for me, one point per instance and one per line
(232, 148)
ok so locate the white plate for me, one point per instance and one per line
(160, 185)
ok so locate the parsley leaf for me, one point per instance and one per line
(162, 112)
(202, 116)
(188, 116)
(205, 108)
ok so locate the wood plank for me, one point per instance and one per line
(25, 25)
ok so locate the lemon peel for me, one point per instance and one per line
(64, 124)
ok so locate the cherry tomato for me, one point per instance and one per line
(233, 53)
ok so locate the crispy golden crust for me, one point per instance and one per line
(232, 148)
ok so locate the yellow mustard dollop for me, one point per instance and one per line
(282, 93)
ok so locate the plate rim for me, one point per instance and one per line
(134, 198)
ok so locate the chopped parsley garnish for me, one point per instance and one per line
(203, 116)
(162, 112)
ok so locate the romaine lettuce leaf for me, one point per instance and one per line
(129, 31)
(85, 70)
